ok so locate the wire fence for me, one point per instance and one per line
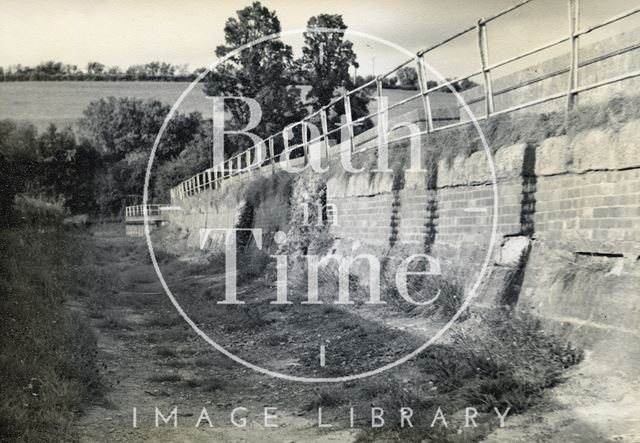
(264, 154)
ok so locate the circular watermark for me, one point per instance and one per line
(473, 290)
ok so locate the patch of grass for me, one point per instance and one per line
(212, 385)
(570, 268)
(276, 339)
(502, 360)
(326, 398)
(165, 378)
(254, 264)
(175, 334)
(164, 320)
(192, 383)
(166, 352)
(112, 322)
(245, 317)
(444, 295)
(48, 354)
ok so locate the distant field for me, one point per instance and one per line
(63, 102)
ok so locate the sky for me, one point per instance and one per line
(126, 32)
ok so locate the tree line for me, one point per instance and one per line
(96, 71)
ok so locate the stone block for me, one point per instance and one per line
(552, 156)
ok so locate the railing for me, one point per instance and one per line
(139, 210)
(251, 158)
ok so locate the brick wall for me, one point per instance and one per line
(588, 190)
(576, 196)
(456, 208)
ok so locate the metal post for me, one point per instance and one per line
(285, 141)
(325, 129)
(424, 87)
(483, 46)
(349, 117)
(382, 118)
(272, 154)
(239, 168)
(305, 141)
(574, 17)
(248, 158)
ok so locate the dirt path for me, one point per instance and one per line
(151, 359)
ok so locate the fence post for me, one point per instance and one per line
(574, 16)
(272, 155)
(426, 103)
(285, 142)
(248, 158)
(325, 129)
(483, 47)
(349, 117)
(305, 141)
(382, 122)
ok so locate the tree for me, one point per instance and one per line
(51, 164)
(262, 71)
(464, 84)
(325, 62)
(326, 59)
(195, 158)
(124, 130)
(407, 77)
(19, 160)
(95, 68)
(68, 169)
(120, 127)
